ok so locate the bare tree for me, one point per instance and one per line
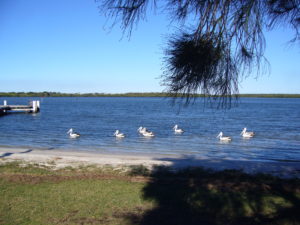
(225, 43)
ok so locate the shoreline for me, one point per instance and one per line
(57, 159)
(135, 94)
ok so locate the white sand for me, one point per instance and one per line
(64, 158)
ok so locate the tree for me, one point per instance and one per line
(225, 43)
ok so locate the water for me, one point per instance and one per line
(276, 123)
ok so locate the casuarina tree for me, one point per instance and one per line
(223, 42)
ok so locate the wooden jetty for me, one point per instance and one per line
(32, 107)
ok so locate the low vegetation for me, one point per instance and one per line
(59, 94)
(91, 195)
(132, 94)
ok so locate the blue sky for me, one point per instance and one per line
(67, 46)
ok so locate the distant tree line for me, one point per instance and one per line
(130, 94)
(59, 94)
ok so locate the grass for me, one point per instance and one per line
(90, 195)
(31, 195)
(68, 201)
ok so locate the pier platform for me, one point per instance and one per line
(32, 107)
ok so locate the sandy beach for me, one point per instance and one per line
(64, 158)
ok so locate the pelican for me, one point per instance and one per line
(73, 134)
(220, 136)
(246, 134)
(145, 132)
(118, 134)
(177, 130)
(142, 130)
(148, 134)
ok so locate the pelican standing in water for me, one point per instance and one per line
(222, 138)
(118, 134)
(246, 134)
(72, 134)
(177, 130)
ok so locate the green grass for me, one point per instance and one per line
(69, 201)
(91, 195)
(38, 196)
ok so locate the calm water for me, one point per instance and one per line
(275, 121)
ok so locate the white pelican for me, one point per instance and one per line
(148, 134)
(118, 134)
(145, 132)
(142, 130)
(73, 134)
(246, 134)
(220, 136)
(177, 130)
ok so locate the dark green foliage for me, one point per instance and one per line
(199, 65)
(224, 43)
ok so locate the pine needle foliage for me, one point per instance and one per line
(225, 43)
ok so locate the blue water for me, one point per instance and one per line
(276, 123)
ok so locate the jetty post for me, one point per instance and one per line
(4, 104)
(35, 106)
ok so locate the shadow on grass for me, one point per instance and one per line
(200, 196)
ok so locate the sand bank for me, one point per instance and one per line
(65, 158)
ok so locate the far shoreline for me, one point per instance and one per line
(133, 94)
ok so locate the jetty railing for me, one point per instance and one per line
(32, 107)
